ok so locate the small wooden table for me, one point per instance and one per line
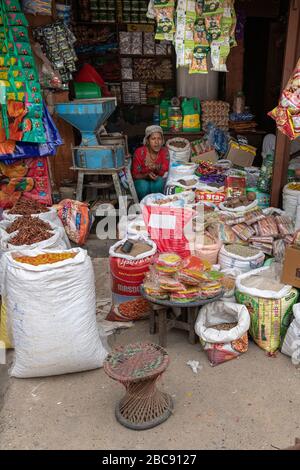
(137, 367)
(167, 319)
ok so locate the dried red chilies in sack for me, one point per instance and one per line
(28, 207)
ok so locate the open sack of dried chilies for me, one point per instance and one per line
(28, 207)
(30, 232)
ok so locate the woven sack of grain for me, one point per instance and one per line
(242, 257)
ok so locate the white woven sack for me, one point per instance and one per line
(49, 216)
(178, 170)
(290, 201)
(179, 154)
(222, 312)
(229, 260)
(291, 344)
(238, 210)
(255, 292)
(51, 310)
(55, 242)
(151, 252)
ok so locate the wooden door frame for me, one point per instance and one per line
(282, 150)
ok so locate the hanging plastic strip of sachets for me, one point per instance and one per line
(164, 11)
(21, 98)
(38, 7)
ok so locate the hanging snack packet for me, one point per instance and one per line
(220, 51)
(165, 23)
(188, 52)
(213, 27)
(213, 7)
(232, 39)
(199, 7)
(199, 62)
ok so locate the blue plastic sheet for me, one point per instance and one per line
(29, 150)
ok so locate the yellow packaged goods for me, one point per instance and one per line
(4, 336)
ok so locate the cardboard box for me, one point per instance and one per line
(239, 156)
(291, 267)
(210, 156)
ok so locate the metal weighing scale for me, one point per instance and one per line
(90, 157)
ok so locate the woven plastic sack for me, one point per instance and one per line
(238, 210)
(290, 201)
(179, 154)
(127, 276)
(55, 242)
(53, 315)
(270, 310)
(49, 216)
(222, 346)
(245, 264)
(291, 344)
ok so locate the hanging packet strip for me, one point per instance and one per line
(199, 62)
(188, 52)
(20, 33)
(199, 7)
(213, 27)
(232, 38)
(226, 22)
(213, 7)
(220, 51)
(165, 19)
(12, 5)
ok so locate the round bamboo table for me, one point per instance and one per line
(137, 367)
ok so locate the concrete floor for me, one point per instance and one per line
(248, 403)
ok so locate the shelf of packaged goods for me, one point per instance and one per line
(147, 56)
(170, 80)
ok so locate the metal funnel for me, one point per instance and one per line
(87, 116)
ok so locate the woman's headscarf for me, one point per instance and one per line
(151, 130)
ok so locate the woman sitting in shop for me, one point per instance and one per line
(150, 163)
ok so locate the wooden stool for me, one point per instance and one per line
(165, 319)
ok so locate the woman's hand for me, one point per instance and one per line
(153, 176)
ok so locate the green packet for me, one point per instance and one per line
(37, 132)
(17, 19)
(20, 33)
(27, 62)
(213, 7)
(12, 5)
(163, 3)
(23, 48)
